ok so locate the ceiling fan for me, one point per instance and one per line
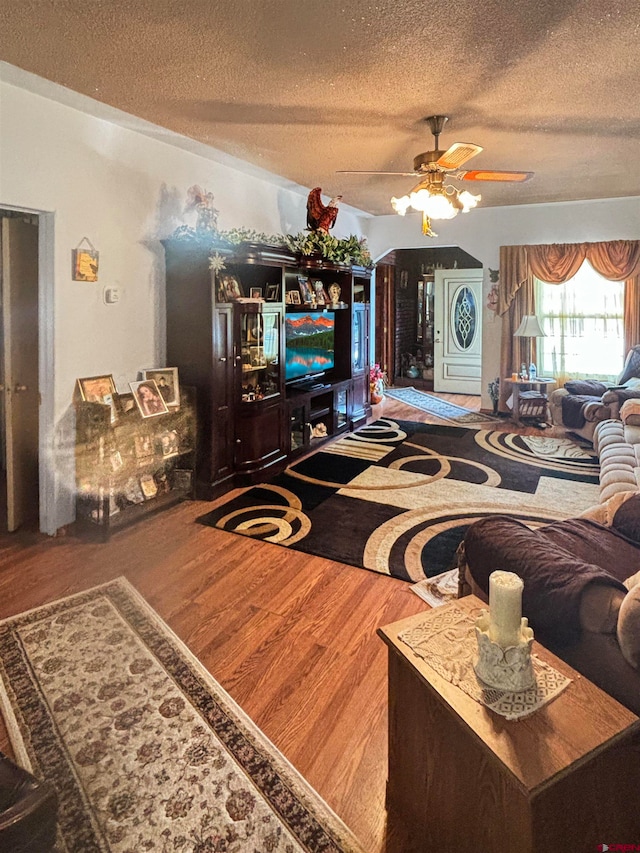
(431, 195)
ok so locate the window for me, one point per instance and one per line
(583, 323)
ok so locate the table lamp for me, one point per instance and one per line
(529, 328)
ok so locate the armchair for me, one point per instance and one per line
(582, 404)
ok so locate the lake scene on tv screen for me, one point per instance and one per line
(309, 343)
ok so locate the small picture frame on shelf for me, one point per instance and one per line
(148, 398)
(170, 443)
(294, 298)
(255, 292)
(306, 290)
(99, 389)
(143, 448)
(273, 292)
(232, 288)
(148, 486)
(182, 478)
(166, 378)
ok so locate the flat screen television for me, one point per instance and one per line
(309, 344)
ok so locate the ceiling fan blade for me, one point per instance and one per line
(458, 154)
(488, 175)
(371, 172)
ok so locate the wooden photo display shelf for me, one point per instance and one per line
(130, 466)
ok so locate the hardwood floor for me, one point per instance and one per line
(290, 636)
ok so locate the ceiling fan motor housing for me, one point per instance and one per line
(426, 161)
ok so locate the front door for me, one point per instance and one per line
(21, 398)
(457, 345)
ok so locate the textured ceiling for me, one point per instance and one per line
(304, 88)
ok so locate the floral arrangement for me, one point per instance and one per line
(376, 374)
(349, 250)
(377, 380)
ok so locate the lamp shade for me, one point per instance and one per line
(529, 328)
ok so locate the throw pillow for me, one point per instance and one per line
(603, 513)
(599, 608)
(626, 518)
(629, 627)
(630, 412)
(588, 387)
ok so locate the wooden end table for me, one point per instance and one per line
(466, 779)
(529, 393)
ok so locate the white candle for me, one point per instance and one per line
(505, 608)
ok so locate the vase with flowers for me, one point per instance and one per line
(376, 383)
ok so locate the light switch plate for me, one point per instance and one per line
(111, 295)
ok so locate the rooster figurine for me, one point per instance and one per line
(321, 217)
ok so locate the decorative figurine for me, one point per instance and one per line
(202, 201)
(321, 217)
(334, 295)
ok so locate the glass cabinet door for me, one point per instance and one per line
(259, 353)
(341, 408)
(358, 340)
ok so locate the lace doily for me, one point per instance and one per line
(446, 641)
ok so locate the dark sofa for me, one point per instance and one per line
(573, 572)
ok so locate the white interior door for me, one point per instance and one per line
(20, 367)
(457, 344)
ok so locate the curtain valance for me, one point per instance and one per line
(616, 260)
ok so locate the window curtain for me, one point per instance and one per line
(617, 260)
(516, 298)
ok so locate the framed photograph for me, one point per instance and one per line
(149, 486)
(306, 291)
(295, 297)
(166, 378)
(182, 479)
(273, 292)
(96, 389)
(170, 442)
(148, 398)
(100, 389)
(232, 288)
(321, 294)
(255, 292)
(143, 448)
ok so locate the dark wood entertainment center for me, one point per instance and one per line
(250, 421)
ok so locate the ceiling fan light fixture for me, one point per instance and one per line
(437, 202)
(468, 200)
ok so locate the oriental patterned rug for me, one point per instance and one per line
(145, 749)
(436, 406)
(396, 497)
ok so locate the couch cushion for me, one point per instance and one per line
(557, 563)
(628, 629)
(630, 412)
(626, 520)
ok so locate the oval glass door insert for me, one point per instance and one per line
(464, 317)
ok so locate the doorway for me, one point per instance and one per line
(408, 338)
(19, 369)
